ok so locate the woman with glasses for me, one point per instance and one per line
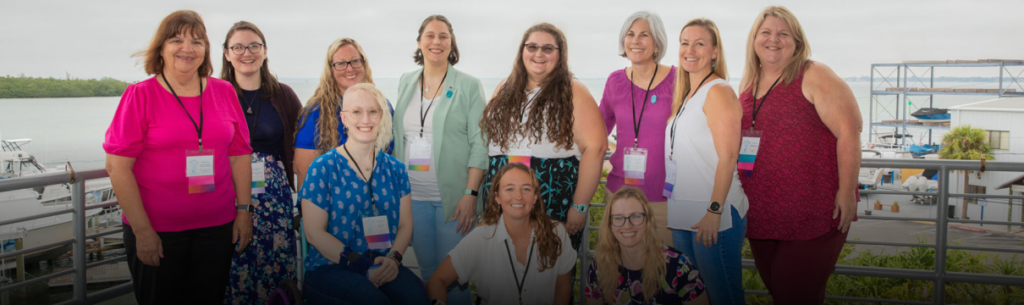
(518, 255)
(271, 109)
(319, 128)
(358, 214)
(631, 266)
(544, 118)
(438, 108)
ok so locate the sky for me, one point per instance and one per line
(93, 39)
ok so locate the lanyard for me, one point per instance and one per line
(256, 116)
(199, 128)
(369, 182)
(636, 123)
(757, 109)
(529, 258)
(423, 115)
(682, 107)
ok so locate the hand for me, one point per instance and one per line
(575, 222)
(386, 273)
(707, 229)
(241, 232)
(846, 209)
(465, 213)
(149, 248)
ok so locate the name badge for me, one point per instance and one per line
(748, 151)
(635, 165)
(199, 171)
(378, 236)
(670, 178)
(420, 153)
(520, 155)
(259, 177)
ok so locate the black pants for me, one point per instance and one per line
(194, 270)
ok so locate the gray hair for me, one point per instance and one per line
(657, 31)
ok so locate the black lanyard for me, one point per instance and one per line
(529, 258)
(757, 109)
(682, 106)
(636, 123)
(423, 115)
(199, 128)
(369, 182)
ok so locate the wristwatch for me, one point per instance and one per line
(715, 208)
(582, 208)
(245, 207)
(472, 192)
(395, 256)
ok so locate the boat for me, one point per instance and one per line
(935, 115)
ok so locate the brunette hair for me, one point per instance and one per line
(268, 83)
(549, 244)
(552, 107)
(453, 56)
(327, 98)
(179, 22)
(801, 55)
(607, 254)
(719, 69)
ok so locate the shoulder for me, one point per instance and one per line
(721, 90)
(559, 228)
(393, 163)
(219, 84)
(326, 158)
(409, 76)
(817, 70)
(619, 75)
(672, 254)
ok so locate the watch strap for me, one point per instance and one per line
(472, 192)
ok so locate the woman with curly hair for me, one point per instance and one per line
(540, 116)
(515, 242)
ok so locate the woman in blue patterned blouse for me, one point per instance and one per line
(358, 213)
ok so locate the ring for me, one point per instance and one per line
(709, 237)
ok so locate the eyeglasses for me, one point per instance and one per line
(636, 219)
(547, 49)
(240, 49)
(358, 113)
(341, 65)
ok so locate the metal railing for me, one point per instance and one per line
(939, 276)
(78, 223)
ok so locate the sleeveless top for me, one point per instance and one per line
(793, 187)
(696, 162)
(545, 149)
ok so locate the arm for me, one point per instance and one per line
(404, 236)
(314, 220)
(607, 109)
(724, 112)
(303, 158)
(437, 285)
(241, 178)
(837, 108)
(466, 211)
(149, 247)
(592, 144)
(563, 287)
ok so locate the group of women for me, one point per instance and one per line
(527, 162)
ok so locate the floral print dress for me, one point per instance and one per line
(682, 283)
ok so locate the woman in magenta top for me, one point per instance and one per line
(638, 99)
(178, 157)
(803, 184)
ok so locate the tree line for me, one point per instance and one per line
(30, 87)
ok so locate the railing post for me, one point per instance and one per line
(940, 237)
(584, 255)
(78, 253)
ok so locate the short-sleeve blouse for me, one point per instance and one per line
(681, 282)
(332, 185)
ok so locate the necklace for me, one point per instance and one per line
(248, 109)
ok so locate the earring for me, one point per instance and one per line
(419, 52)
(655, 54)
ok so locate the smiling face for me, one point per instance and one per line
(639, 43)
(435, 42)
(247, 63)
(774, 43)
(628, 235)
(539, 65)
(361, 114)
(350, 75)
(517, 194)
(697, 49)
(183, 53)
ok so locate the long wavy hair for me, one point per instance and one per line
(384, 127)
(327, 98)
(268, 83)
(720, 70)
(801, 56)
(549, 244)
(608, 253)
(552, 107)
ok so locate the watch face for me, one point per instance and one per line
(715, 206)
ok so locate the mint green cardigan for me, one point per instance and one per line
(457, 143)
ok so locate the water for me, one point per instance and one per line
(72, 129)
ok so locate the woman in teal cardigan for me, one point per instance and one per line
(437, 136)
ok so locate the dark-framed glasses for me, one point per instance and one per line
(253, 48)
(341, 65)
(547, 49)
(636, 219)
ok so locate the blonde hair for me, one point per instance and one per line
(801, 56)
(683, 80)
(326, 98)
(384, 127)
(607, 254)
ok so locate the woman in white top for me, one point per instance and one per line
(702, 148)
(517, 255)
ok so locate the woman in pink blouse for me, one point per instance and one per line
(178, 157)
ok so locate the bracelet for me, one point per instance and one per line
(719, 212)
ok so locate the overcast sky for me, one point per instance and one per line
(91, 39)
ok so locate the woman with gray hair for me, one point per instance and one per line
(628, 95)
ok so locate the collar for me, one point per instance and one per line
(500, 233)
